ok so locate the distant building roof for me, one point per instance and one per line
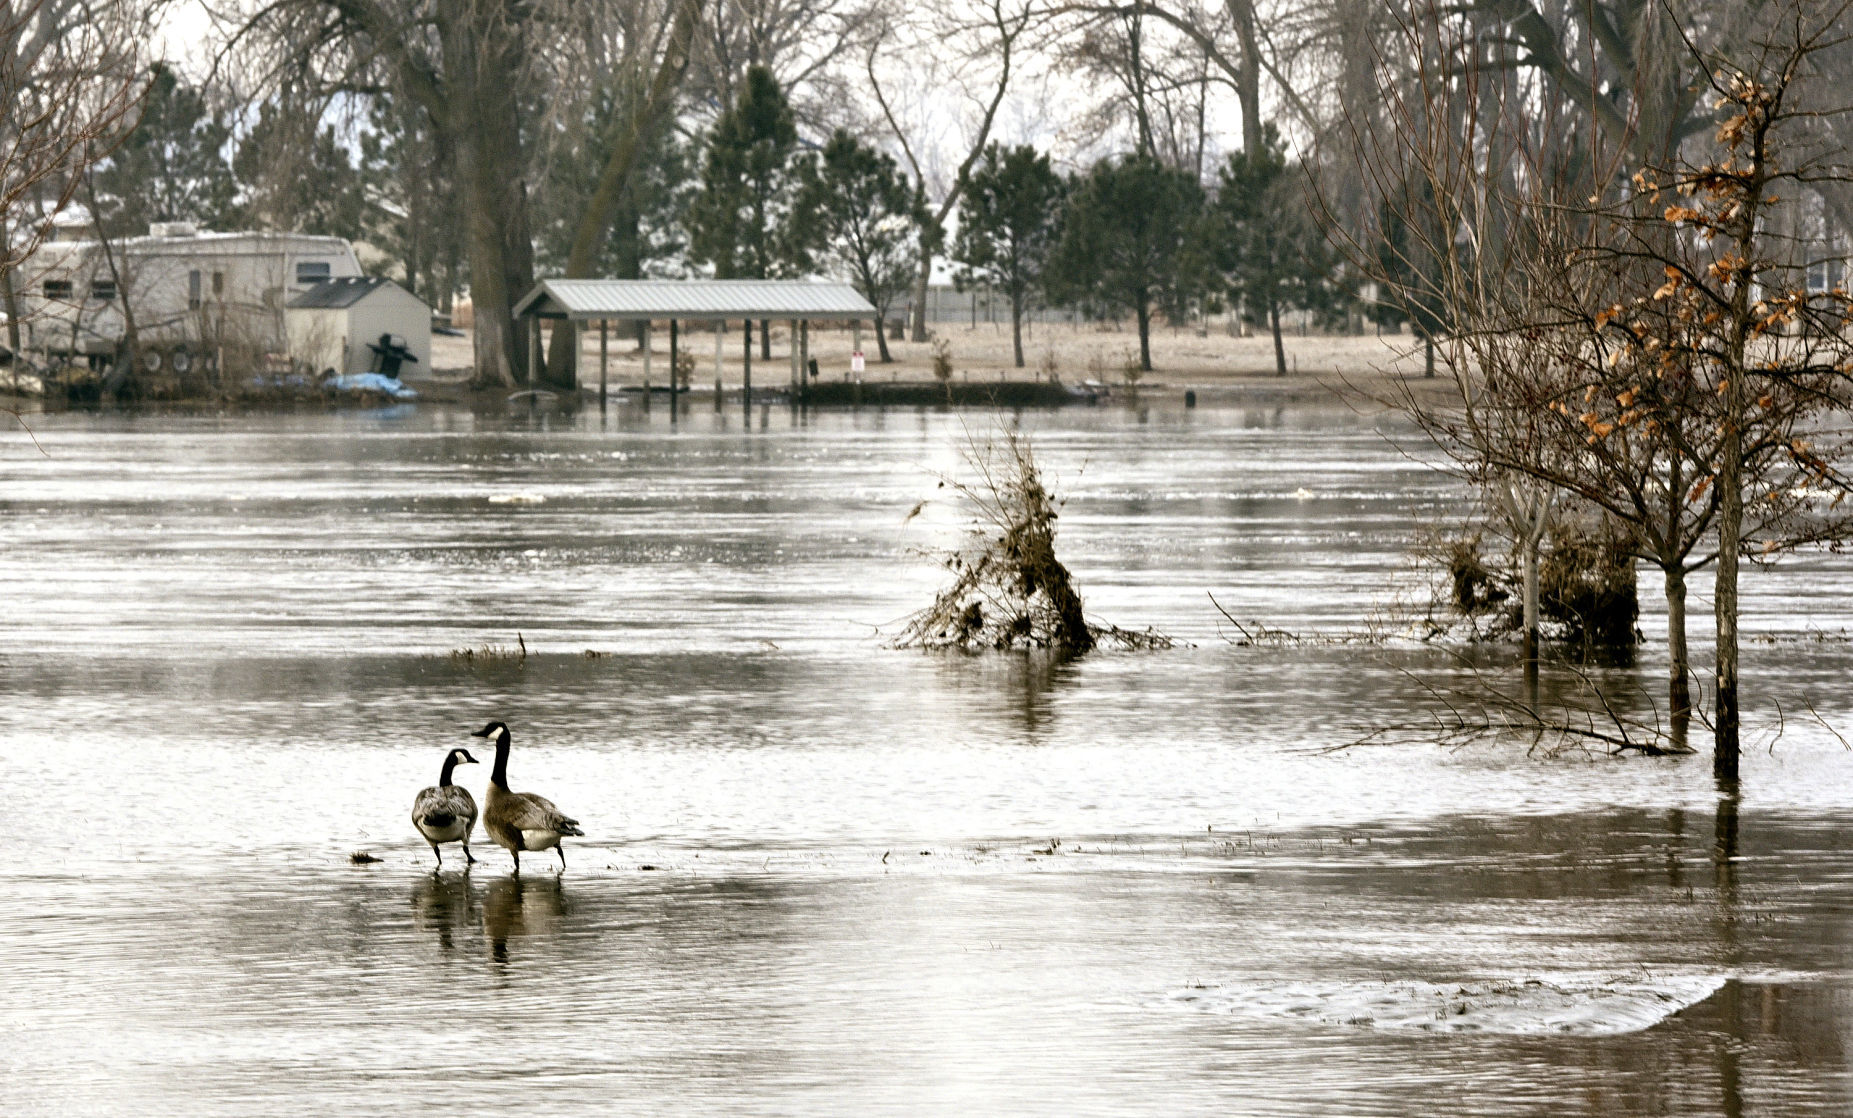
(595, 299)
(333, 294)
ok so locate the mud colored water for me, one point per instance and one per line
(821, 876)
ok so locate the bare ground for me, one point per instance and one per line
(1318, 364)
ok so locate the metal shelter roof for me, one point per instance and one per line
(594, 299)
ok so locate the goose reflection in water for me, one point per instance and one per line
(516, 906)
(444, 905)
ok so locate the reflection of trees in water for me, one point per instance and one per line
(521, 906)
(442, 904)
(1021, 685)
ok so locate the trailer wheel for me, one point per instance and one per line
(152, 359)
(182, 360)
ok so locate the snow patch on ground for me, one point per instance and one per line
(1577, 1004)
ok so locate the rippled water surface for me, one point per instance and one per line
(823, 876)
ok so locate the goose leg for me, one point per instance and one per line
(517, 855)
(469, 858)
(560, 849)
(440, 856)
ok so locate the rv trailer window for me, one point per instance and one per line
(311, 271)
(103, 291)
(58, 289)
(193, 291)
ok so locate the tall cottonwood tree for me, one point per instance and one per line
(484, 72)
(641, 84)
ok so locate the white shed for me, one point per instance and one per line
(335, 324)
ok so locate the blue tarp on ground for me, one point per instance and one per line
(371, 382)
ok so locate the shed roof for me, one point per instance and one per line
(343, 291)
(692, 299)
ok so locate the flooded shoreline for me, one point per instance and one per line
(880, 883)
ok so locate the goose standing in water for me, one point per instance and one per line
(447, 812)
(520, 821)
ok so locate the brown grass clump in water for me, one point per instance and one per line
(489, 653)
(1008, 590)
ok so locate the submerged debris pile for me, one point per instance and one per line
(1008, 589)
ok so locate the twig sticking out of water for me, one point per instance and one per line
(1257, 633)
(1488, 710)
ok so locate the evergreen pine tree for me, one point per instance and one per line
(172, 167)
(1130, 242)
(1009, 219)
(858, 211)
(1271, 252)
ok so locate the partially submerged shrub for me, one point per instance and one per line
(1008, 589)
(1586, 586)
(1477, 588)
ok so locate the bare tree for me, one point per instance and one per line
(1635, 334)
(981, 72)
(648, 93)
(70, 90)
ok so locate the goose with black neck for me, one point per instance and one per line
(446, 812)
(519, 821)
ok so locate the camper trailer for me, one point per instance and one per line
(195, 297)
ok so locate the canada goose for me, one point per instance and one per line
(447, 812)
(520, 821)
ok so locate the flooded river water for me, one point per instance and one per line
(823, 876)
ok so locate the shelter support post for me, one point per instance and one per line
(646, 364)
(572, 367)
(604, 359)
(673, 355)
(855, 336)
(720, 328)
(534, 365)
(792, 325)
(804, 360)
(746, 369)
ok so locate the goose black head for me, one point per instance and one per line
(493, 729)
(461, 757)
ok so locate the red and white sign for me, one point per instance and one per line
(856, 364)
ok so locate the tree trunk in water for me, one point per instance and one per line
(1530, 561)
(1679, 663)
(1145, 337)
(1016, 327)
(1724, 602)
(1280, 351)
